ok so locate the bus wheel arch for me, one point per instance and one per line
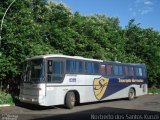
(72, 98)
(131, 93)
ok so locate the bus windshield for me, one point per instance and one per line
(34, 71)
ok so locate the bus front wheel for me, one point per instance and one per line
(131, 94)
(70, 100)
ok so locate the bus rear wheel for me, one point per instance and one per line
(70, 100)
(131, 94)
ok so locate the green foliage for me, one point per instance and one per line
(36, 27)
(154, 90)
(5, 98)
(145, 44)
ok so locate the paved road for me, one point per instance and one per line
(144, 107)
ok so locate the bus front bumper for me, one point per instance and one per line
(23, 99)
(32, 99)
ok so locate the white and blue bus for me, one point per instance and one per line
(50, 80)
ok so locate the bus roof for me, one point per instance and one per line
(62, 56)
(132, 64)
(82, 58)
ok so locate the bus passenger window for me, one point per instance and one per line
(118, 70)
(131, 71)
(102, 69)
(78, 67)
(109, 69)
(70, 66)
(126, 71)
(88, 67)
(96, 67)
(138, 71)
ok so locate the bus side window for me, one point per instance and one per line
(126, 70)
(121, 72)
(115, 68)
(78, 66)
(70, 66)
(88, 68)
(102, 68)
(130, 71)
(118, 70)
(109, 69)
(138, 71)
(96, 68)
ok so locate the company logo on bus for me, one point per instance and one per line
(99, 87)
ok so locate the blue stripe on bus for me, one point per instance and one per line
(114, 85)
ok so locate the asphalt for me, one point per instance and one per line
(145, 107)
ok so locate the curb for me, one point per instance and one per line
(5, 105)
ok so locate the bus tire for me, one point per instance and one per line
(70, 100)
(131, 94)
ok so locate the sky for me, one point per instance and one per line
(145, 12)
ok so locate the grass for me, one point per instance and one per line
(5, 98)
(154, 90)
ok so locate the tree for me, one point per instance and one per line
(42, 27)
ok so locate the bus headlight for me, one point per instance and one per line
(34, 100)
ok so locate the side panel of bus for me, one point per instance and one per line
(82, 84)
(85, 86)
(92, 88)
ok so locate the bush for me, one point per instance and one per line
(154, 90)
(5, 98)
